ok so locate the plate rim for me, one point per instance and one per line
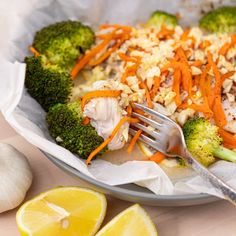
(129, 193)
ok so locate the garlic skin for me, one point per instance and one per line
(15, 177)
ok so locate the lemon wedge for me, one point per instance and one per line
(145, 149)
(132, 221)
(62, 211)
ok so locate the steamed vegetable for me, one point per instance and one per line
(56, 48)
(204, 143)
(222, 19)
(63, 42)
(48, 84)
(65, 124)
(159, 18)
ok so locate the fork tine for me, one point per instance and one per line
(151, 122)
(153, 112)
(147, 140)
(152, 133)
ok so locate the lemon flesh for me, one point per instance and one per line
(62, 211)
(132, 221)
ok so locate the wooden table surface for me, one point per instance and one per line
(214, 219)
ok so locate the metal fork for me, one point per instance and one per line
(166, 137)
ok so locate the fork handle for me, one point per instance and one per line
(225, 189)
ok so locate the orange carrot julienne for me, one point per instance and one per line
(34, 51)
(99, 93)
(200, 108)
(216, 73)
(157, 82)
(137, 110)
(203, 88)
(224, 49)
(130, 71)
(147, 94)
(164, 32)
(133, 141)
(227, 75)
(180, 52)
(87, 57)
(186, 72)
(86, 121)
(124, 57)
(109, 139)
(129, 110)
(219, 115)
(185, 34)
(202, 81)
(204, 44)
(197, 63)
(116, 26)
(106, 54)
(176, 86)
(229, 139)
(157, 157)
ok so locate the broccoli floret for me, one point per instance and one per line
(159, 18)
(204, 143)
(65, 125)
(47, 83)
(63, 42)
(221, 20)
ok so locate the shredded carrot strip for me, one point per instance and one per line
(165, 73)
(131, 70)
(157, 157)
(133, 141)
(203, 89)
(124, 27)
(99, 93)
(199, 108)
(227, 75)
(197, 63)
(164, 32)
(113, 34)
(136, 48)
(185, 34)
(147, 94)
(196, 80)
(157, 82)
(34, 51)
(229, 139)
(129, 110)
(182, 56)
(219, 114)
(86, 121)
(204, 44)
(137, 110)
(106, 54)
(87, 57)
(186, 72)
(202, 81)
(225, 48)
(176, 86)
(124, 57)
(109, 139)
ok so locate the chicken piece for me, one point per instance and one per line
(104, 114)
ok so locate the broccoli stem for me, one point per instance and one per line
(225, 154)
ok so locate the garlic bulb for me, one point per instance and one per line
(15, 177)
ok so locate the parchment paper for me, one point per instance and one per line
(18, 22)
